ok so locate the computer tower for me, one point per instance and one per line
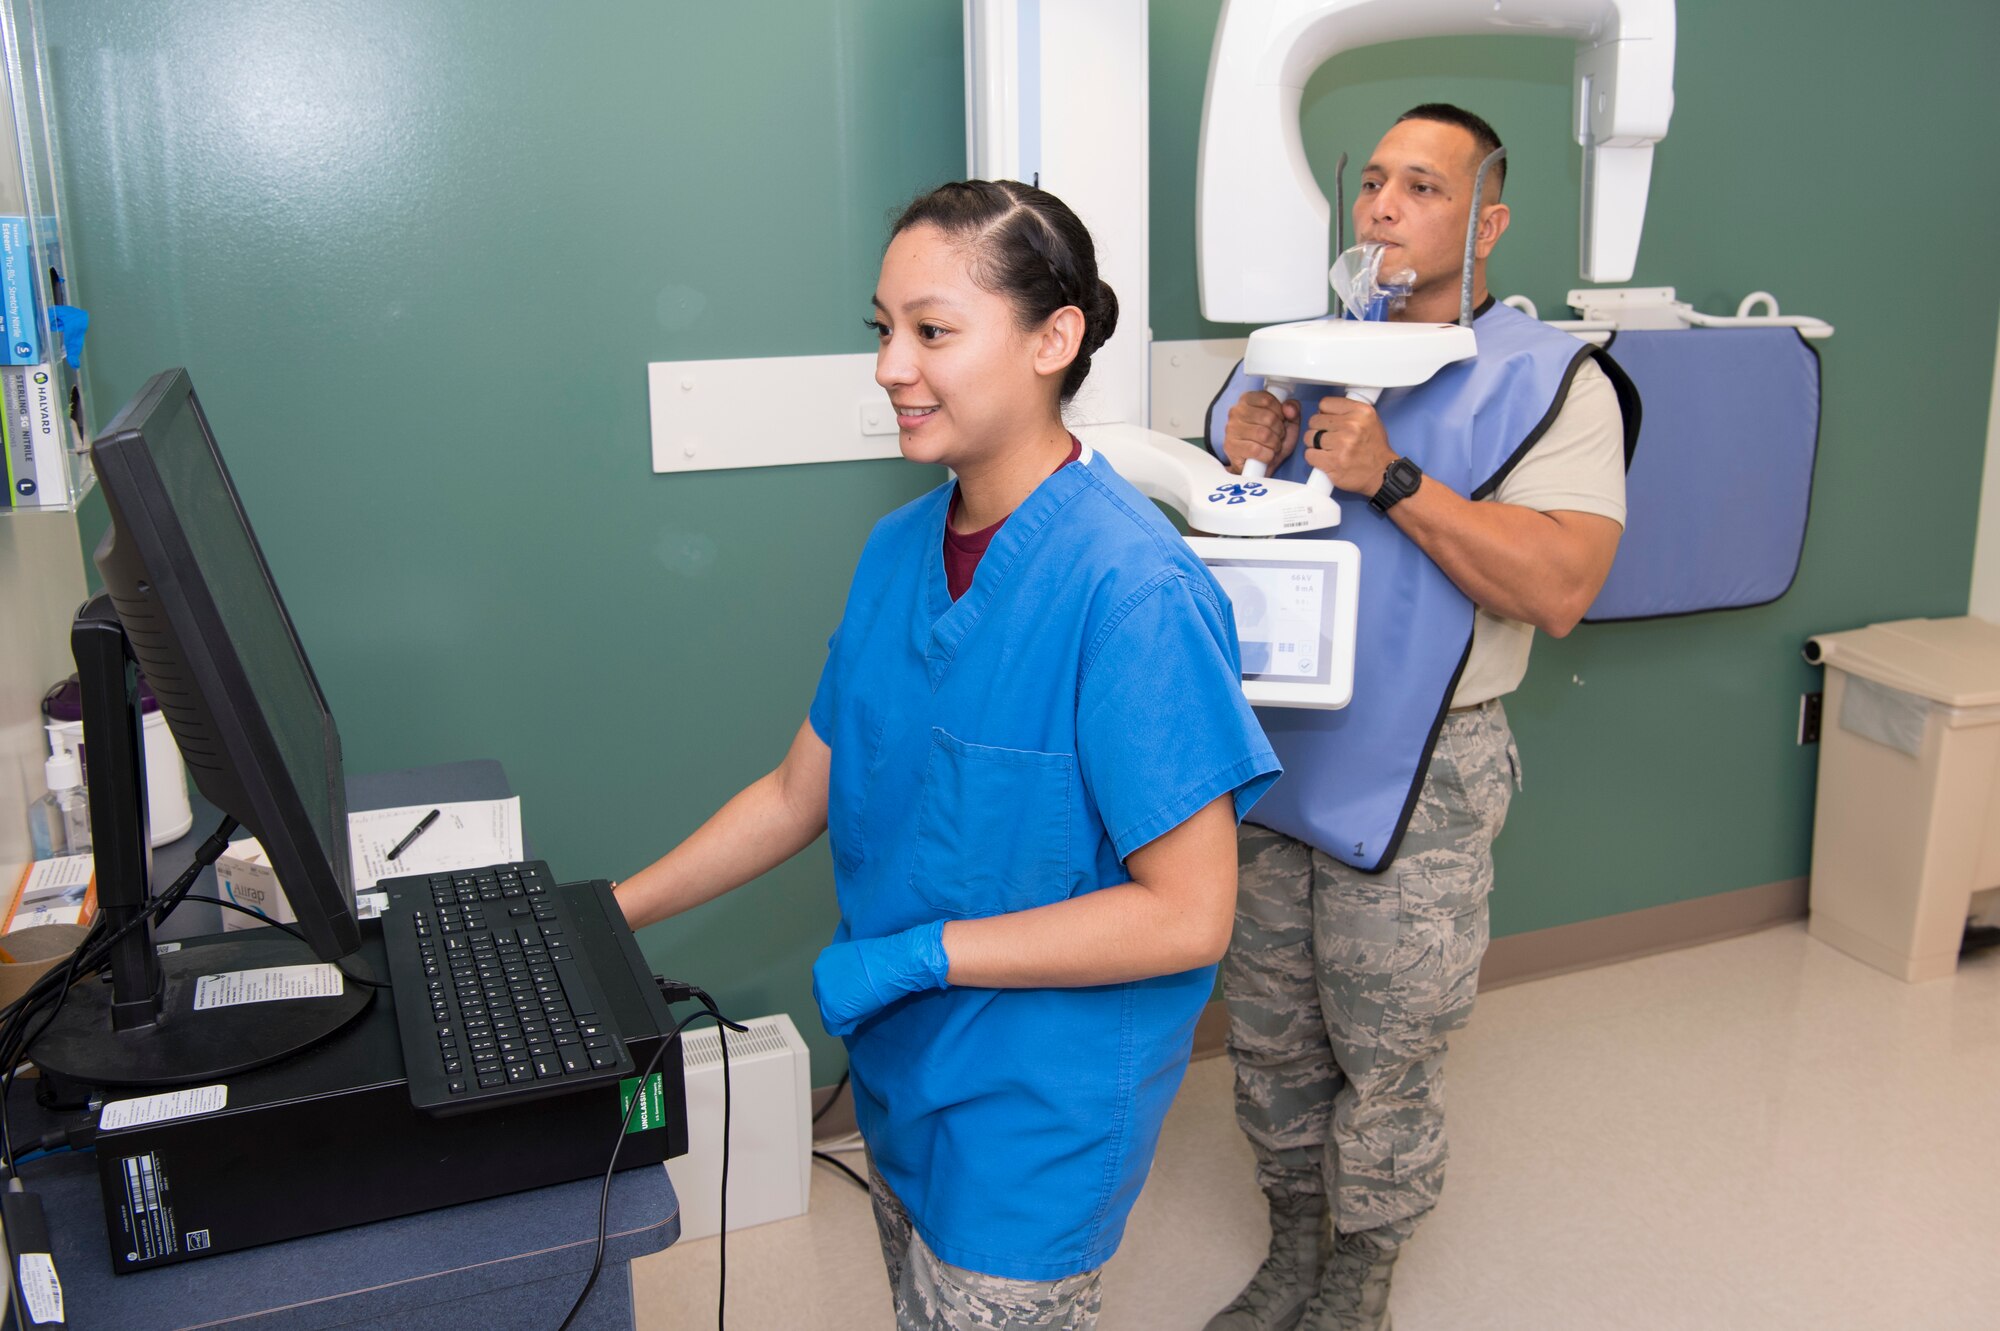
(328, 1138)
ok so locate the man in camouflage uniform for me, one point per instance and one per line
(1342, 989)
(1343, 985)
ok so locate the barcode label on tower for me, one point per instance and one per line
(147, 1213)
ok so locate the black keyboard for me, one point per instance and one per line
(495, 999)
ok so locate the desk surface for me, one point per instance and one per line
(516, 1261)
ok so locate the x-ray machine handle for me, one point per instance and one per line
(1319, 482)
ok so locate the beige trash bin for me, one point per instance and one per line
(1907, 821)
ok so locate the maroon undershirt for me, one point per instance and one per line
(963, 553)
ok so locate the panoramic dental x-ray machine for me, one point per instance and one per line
(1262, 233)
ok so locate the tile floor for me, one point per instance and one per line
(1759, 1133)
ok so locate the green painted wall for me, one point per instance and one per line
(418, 256)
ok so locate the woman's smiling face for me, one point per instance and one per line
(958, 367)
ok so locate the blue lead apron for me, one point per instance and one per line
(1000, 753)
(1717, 503)
(1354, 774)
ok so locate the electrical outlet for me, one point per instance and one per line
(1809, 708)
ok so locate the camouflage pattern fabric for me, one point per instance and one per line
(1343, 986)
(933, 1295)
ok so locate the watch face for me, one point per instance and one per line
(1404, 474)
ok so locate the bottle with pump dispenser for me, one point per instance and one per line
(59, 822)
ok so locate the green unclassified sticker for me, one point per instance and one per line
(652, 1111)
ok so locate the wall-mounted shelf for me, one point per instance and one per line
(42, 417)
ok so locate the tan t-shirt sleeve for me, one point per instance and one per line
(1577, 466)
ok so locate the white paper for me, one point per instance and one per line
(271, 985)
(161, 1108)
(63, 874)
(40, 1289)
(367, 905)
(466, 835)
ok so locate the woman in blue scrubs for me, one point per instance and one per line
(1030, 749)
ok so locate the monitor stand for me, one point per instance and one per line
(143, 1028)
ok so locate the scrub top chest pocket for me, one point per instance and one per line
(992, 828)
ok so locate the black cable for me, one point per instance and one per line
(14, 1042)
(722, 1237)
(831, 1100)
(95, 944)
(826, 1159)
(604, 1196)
(88, 958)
(279, 924)
(723, 1025)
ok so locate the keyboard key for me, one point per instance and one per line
(581, 1000)
(548, 1066)
(603, 1058)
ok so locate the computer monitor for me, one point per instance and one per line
(190, 601)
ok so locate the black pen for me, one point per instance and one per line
(415, 832)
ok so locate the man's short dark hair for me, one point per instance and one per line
(1483, 137)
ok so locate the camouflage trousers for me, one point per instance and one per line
(933, 1295)
(1343, 986)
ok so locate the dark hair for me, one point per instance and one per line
(1483, 137)
(1025, 244)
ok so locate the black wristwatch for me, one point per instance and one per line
(1400, 480)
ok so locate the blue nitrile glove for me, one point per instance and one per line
(853, 981)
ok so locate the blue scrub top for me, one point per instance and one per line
(1000, 753)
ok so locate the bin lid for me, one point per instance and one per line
(1952, 661)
